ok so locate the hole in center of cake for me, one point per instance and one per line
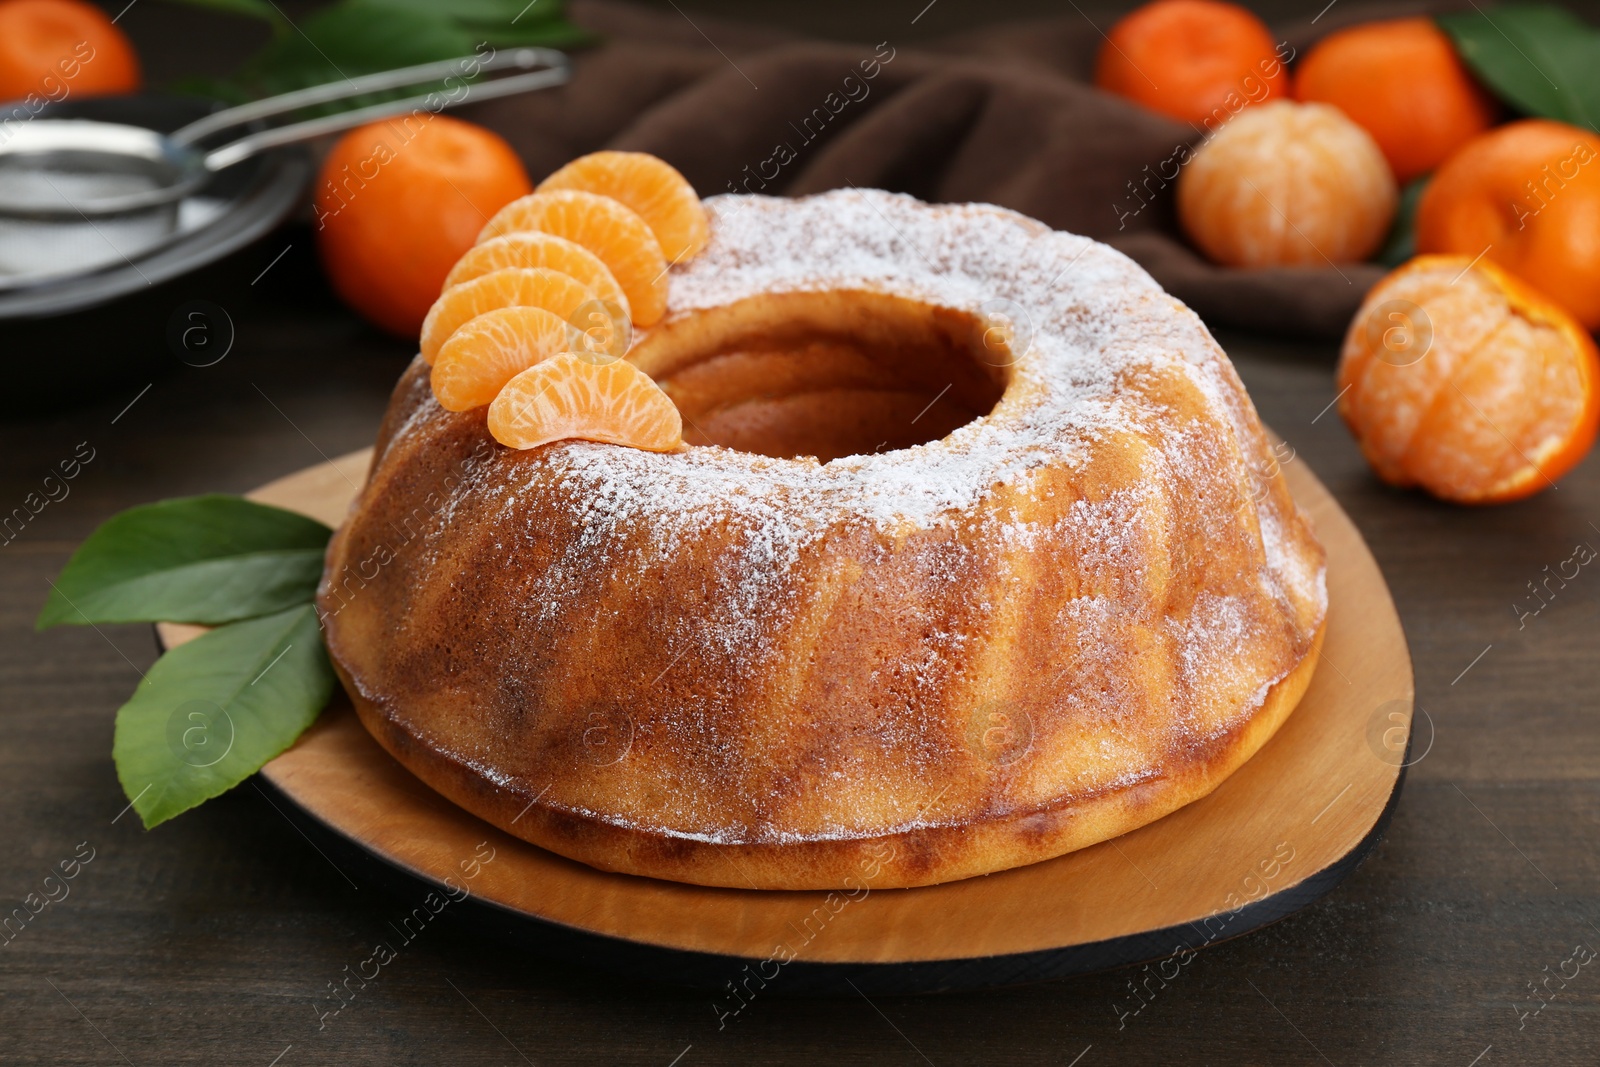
(828, 374)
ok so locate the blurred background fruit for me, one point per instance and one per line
(1198, 61)
(398, 202)
(1526, 196)
(61, 48)
(1402, 82)
(1459, 378)
(1287, 184)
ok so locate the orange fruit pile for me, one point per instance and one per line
(1459, 378)
(1470, 371)
(535, 319)
(1197, 61)
(1287, 184)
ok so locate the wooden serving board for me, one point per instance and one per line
(1273, 837)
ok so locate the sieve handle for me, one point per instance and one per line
(542, 67)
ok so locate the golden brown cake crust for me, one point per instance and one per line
(925, 856)
(1062, 620)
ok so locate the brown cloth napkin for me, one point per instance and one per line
(1006, 116)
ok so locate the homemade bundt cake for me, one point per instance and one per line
(977, 554)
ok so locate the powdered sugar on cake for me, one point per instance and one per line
(1090, 320)
(1092, 315)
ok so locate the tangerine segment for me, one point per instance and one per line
(1459, 378)
(539, 250)
(569, 397)
(608, 228)
(490, 350)
(561, 294)
(650, 186)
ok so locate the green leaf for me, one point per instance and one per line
(1401, 244)
(1538, 58)
(352, 38)
(201, 559)
(212, 711)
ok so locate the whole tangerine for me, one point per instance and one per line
(1461, 379)
(54, 49)
(1526, 196)
(1198, 61)
(399, 201)
(1401, 81)
(1287, 184)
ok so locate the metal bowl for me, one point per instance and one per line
(92, 331)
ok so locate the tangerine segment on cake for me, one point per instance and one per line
(560, 294)
(530, 249)
(1047, 626)
(650, 186)
(570, 396)
(610, 229)
(486, 353)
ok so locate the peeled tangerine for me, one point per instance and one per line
(1458, 378)
(1287, 184)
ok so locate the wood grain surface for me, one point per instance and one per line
(215, 938)
(1304, 802)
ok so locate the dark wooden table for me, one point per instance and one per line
(211, 939)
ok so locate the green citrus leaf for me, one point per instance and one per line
(1538, 58)
(349, 38)
(212, 711)
(352, 38)
(201, 559)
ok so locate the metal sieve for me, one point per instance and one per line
(76, 195)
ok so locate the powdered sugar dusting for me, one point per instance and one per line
(1088, 308)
